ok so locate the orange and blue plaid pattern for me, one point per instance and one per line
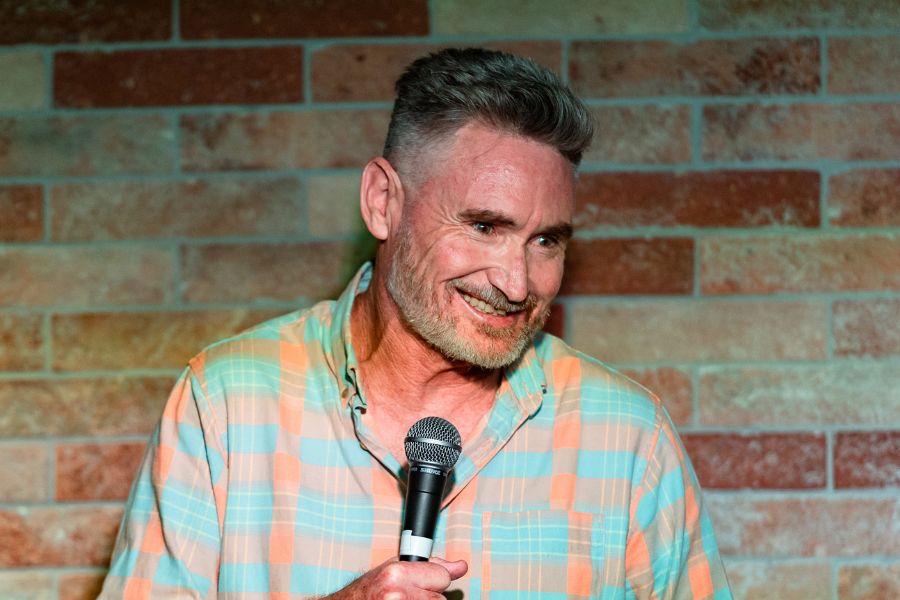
(264, 480)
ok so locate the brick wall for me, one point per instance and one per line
(174, 171)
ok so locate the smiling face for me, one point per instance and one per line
(477, 258)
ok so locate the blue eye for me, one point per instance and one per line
(547, 241)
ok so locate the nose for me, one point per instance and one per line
(510, 273)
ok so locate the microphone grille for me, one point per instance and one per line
(433, 440)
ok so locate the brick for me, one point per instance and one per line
(96, 21)
(698, 331)
(867, 328)
(21, 342)
(96, 471)
(85, 145)
(698, 199)
(80, 586)
(160, 340)
(629, 266)
(82, 407)
(863, 65)
(799, 263)
(280, 140)
(556, 321)
(782, 580)
(801, 132)
(576, 17)
(24, 473)
(23, 80)
(867, 459)
(791, 14)
(333, 202)
(811, 527)
(674, 388)
(173, 77)
(209, 19)
(85, 276)
(367, 72)
(785, 461)
(21, 213)
(659, 135)
(245, 273)
(27, 585)
(869, 582)
(823, 395)
(865, 198)
(703, 68)
(72, 536)
(196, 208)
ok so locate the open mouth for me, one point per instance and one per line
(483, 306)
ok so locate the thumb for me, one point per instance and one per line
(456, 568)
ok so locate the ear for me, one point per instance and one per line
(380, 197)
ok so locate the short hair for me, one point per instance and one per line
(446, 90)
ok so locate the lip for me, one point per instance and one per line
(495, 320)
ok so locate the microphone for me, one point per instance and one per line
(432, 447)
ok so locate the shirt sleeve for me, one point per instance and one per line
(671, 550)
(169, 538)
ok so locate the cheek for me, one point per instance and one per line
(545, 278)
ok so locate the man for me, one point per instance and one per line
(276, 470)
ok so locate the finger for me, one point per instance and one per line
(428, 576)
(456, 568)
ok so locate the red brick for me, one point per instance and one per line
(241, 273)
(209, 19)
(21, 213)
(178, 77)
(867, 459)
(162, 340)
(698, 199)
(281, 140)
(96, 21)
(80, 586)
(85, 276)
(778, 580)
(799, 263)
(869, 582)
(24, 473)
(673, 386)
(702, 68)
(367, 72)
(556, 322)
(76, 536)
(96, 471)
(24, 86)
(629, 266)
(863, 65)
(801, 132)
(698, 331)
(813, 527)
(159, 209)
(27, 585)
(865, 198)
(867, 328)
(824, 395)
(82, 407)
(787, 461)
(85, 145)
(333, 205)
(640, 134)
(789, 14)
(21, 342)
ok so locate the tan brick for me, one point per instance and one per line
(674, 388)
(865, 198)
(799, 263)
(576, 17)
(867, 328)
(21, 213)
(702, 68)
(82, 407)
(27, 585)
(837, 394)
(52, 536)
(24, 473)
(699, 331)
(313, 139)
(780, 14)
(23, 81)
(640, 134)
(80, 586)
(779, 580)
(21, 342)
(159, 209)
(869, 582)
(96, 471)
(333, 202)
(801, 132)
(160, 340)
(863, 65)
(85, 276)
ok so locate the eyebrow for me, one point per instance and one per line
(563, 231)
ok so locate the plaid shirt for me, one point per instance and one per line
(264, 479)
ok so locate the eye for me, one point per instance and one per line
(482, 227)
(547, 241)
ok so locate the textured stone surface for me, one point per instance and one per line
(698, 199)
(867, 459)
(27, 585)
(674, 388)
(867, 328)
(640, 134)
(333, 205)
(159, 209)
(54, 536)
(21, 213)
(781, 580)
(21, 342)
(702, 68)
(863, 65)
(96, 471)
(766, 15)
(869, 582)
(24, 473)
(865, 198)
(23, 80)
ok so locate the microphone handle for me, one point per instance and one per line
(424, 492)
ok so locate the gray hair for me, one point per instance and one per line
(444, 91)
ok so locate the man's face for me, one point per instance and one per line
(478, 256)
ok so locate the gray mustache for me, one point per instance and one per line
(495, 297)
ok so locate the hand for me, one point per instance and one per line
(397, 580)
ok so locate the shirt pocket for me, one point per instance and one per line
(541, 554)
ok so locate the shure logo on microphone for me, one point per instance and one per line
(429, 470)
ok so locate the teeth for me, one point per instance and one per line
(483, 306)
